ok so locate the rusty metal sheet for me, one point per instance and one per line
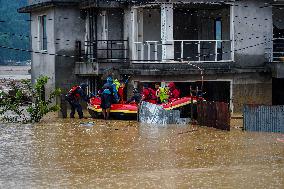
(214, 114)
(264, 118)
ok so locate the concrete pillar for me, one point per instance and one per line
(167, 32)
(134, 33)
(232, 32)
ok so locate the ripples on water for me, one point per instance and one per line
(122, 154)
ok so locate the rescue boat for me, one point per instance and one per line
(130, 110)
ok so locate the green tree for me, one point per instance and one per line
(36, 110)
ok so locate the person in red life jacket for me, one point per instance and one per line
(174, 93)
(148, 94)
(73, 97)
(120, 92)
(157, 92)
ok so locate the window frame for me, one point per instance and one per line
(42, 33)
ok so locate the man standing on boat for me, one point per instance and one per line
(108, 96)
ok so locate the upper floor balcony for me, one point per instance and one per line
(93, 56)
(169, 33)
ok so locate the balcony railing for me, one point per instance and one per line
(185, 50)
(102, 51)
(278, 50)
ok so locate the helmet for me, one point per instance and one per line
(83, 85)
(109, 79)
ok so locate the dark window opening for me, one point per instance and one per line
(42, 32)
(218, 36)
(277, 91)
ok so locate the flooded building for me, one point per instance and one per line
(230, 42)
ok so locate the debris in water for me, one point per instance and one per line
(87, 124)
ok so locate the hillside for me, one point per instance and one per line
(12, 26)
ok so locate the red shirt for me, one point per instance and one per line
(149, 95)
(174, 94)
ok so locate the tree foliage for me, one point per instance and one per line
(36, 110)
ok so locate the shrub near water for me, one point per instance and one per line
(36, 110)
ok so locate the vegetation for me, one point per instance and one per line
(11, 107)
(12, 26)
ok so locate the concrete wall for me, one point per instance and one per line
(64, 27)
(251, 89)
(252, 27)
(43, 64)
(68, 28)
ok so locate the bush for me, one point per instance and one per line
(36, 110)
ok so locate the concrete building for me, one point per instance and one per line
(232, 42)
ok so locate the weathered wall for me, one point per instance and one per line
(252, 28)
(68, 28)
(251, 89)
(43, 64)
(64, 27)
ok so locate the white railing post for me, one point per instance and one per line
(142, 51)
(149, 50)
(181, 51)
(216, 50)
(156, 50)
(199, 51)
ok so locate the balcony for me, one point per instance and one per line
(195, 51)
(170, 33)
(97, 56)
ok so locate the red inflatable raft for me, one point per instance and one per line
(131, 109)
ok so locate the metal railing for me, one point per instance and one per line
(277, 55)
(185, 50)
(102, 51)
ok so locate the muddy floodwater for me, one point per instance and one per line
(123, 154)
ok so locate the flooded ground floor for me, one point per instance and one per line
(123, 154)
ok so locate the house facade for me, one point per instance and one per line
(232, 49)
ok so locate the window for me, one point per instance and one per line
(42, 37)
(218, 36)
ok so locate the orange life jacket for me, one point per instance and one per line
(73, 93)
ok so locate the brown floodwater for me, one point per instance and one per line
(123, 154)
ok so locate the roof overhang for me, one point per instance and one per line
(45, 5)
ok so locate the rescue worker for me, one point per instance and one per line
(174, 93)
(157, 89)
(148, 94)
(120, 86)
(73, 97)
(108, 96)
(163, 94)
(136, 97)
(117, 84)
(120, 92)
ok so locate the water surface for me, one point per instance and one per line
(123, 154)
